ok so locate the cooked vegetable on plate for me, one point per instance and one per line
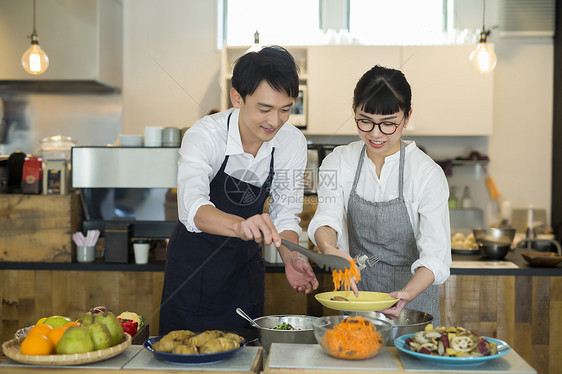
(451, 341)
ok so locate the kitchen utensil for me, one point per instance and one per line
(366, 300)
(363, 261)
(189, 359)
(328, 262)
(85, 253)
(56, 147)
(247, 317)
(542, 242)
(535, 258)
(494, 243)
(324, 327)
(503, 349)
(409, 321)
(303, 333)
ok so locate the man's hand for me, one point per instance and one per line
(258, 228)
(300, 275)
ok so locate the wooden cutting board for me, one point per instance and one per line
(312, 357)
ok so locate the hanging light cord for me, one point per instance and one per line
(34, 30)
(483, 15)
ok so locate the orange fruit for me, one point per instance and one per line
(42, 329)
(55, 334)
(73, 323)
(36, 345)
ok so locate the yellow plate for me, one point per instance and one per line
(366, 301)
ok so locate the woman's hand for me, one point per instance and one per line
(331, 250)
(395, 310)
(422, 279)
(258, 228)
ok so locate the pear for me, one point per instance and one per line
(76, 339)
(100, 335)
(112, 324)
(56, 321)
(86, 319)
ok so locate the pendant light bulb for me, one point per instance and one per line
(34, 61)
(483, 58)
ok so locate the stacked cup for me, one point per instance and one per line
(171, 137)
(153, 136)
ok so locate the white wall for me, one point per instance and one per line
(181, 36)
(170, 62)
(521, 145)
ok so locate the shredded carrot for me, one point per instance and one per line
(354, 338)
(344, 278)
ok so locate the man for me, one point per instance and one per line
(230, 162)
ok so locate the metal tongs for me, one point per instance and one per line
(327, 262)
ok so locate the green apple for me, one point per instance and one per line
(57, 321)
(76, 339)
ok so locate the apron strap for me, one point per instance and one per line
(401, 171)
(359, 167)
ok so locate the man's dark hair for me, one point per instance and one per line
(273, 64)
(383, 91)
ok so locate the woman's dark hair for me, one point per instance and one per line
(272, 64)
(383, 91)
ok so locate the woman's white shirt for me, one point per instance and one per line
(426, 193)
(208, 142)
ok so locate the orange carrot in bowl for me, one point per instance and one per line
(353, 338)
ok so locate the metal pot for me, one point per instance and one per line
(494, 243)
(408, 322)
(303, 334)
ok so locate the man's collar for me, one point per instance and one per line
(234, 141)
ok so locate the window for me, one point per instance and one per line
(287, 22)
(398, 22)
(310, 22)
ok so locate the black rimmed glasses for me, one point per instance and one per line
(387, 128)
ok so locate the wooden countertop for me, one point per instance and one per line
(510, 363)
(513, 256)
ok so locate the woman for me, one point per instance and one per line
(388, 199)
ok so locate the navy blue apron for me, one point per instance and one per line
(208, 276)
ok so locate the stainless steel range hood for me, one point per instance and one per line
(59, 86)
(83, 39)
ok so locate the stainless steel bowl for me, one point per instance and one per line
(304, 334)
(494, 243)
(408, 322)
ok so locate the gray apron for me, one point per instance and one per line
(384, 229)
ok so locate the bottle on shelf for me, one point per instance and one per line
(466, 202)
(530, 233)
(453, 201)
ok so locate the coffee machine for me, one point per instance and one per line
(127, 193)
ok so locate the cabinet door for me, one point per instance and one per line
(448, 96)
(333, 72)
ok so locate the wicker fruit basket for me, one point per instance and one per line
(11, 349)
